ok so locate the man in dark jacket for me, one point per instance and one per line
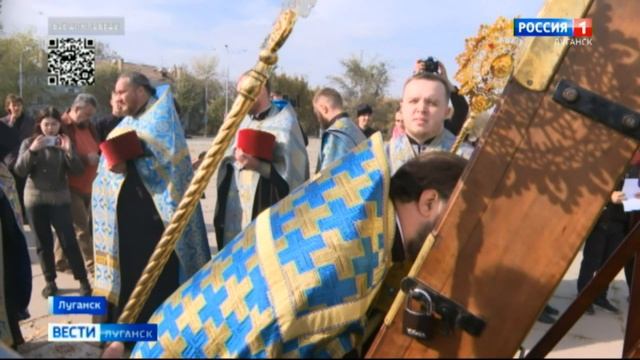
(608, 233)
(364, 113)
(15, 265)
(19, 120)
(109, 122)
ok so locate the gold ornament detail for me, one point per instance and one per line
(502, 66)
(488, 58)
(485, 67)
(480, 103)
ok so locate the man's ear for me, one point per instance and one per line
(324, 109)
(428, 203)
(449, 113)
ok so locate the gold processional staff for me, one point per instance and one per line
(249, 89)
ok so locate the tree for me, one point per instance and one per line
(106, 76)
(35, 90)
(204, 67)
(215, 112)
(193, 89)
(189, 93)
(26, 49)
(104, 52)
(362, 83)
(384, 116)
(189, 90)
(367, 83)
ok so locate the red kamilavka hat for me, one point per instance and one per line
(257, 143)
(121, 148)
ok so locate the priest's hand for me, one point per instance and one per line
(248, 162)
(120, 168)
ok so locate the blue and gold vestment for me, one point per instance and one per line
(166, 173)
(298, 281)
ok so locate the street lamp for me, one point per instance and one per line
(206, 99)
(20, 70)
(226, 81)
(20, 73)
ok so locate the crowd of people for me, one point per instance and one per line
(109, 186)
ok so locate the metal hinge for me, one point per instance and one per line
(598, 108)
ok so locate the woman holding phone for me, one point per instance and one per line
(46, 158)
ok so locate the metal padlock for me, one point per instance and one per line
(419, 324)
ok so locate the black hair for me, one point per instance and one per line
(139, 80)
(437, 170)
(47, 112)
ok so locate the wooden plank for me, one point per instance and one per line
(594, 288)
(529, 198)
(631, 347)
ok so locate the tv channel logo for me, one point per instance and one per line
(553, 27)
(74, 332)
(103, 332)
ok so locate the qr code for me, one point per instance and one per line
(71, 62)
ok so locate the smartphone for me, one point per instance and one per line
(51, 141)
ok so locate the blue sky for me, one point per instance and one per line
(163, 32)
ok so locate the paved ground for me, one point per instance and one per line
(594, 336)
